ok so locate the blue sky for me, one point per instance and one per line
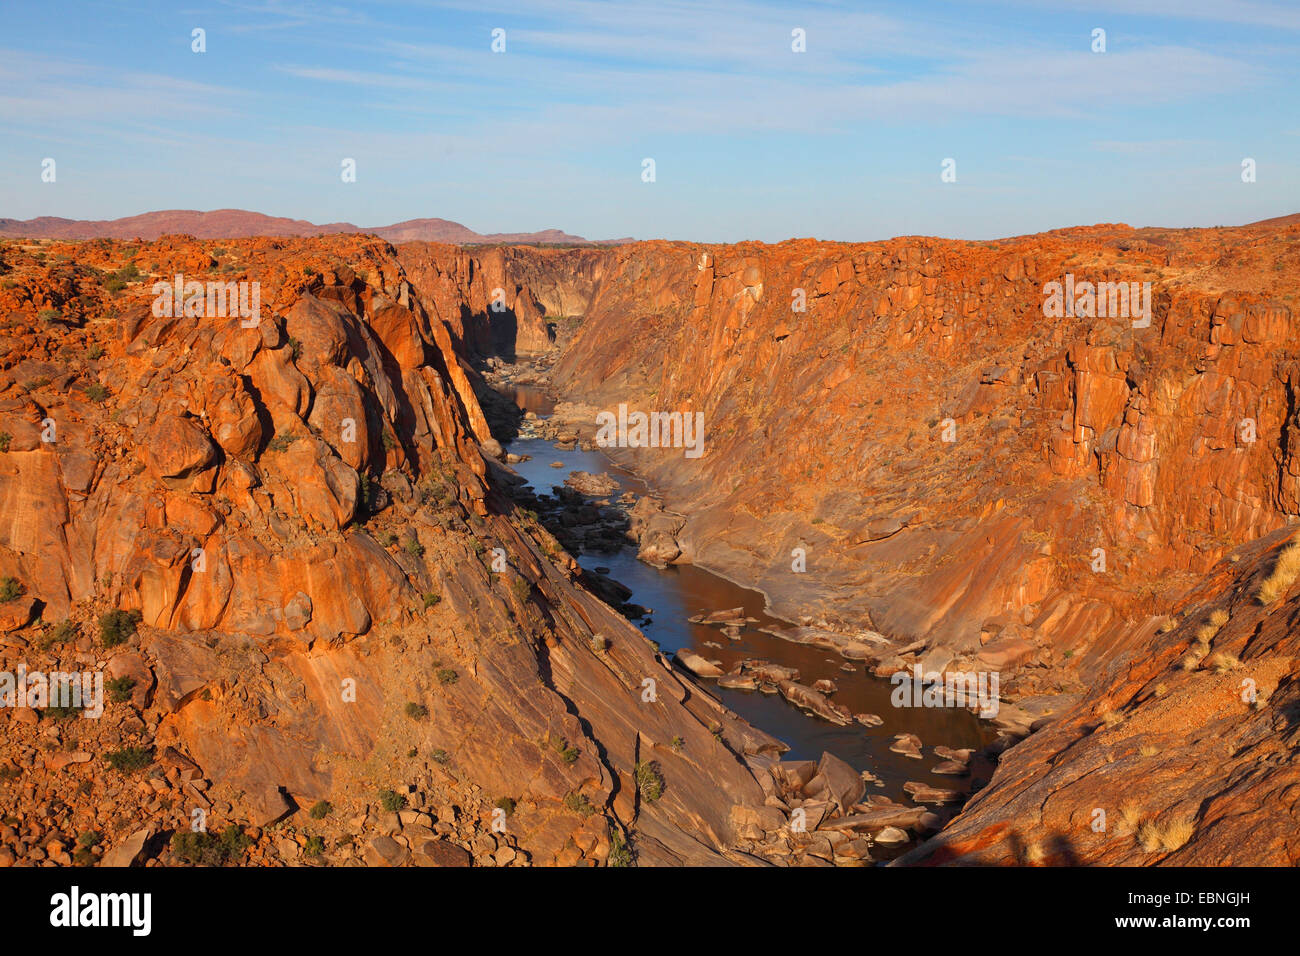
(750, 140)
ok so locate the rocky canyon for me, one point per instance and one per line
(334, 624)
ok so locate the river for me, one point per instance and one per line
(680, 591)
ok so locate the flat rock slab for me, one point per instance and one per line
(924, 793)
(696, 664)
(909, 745)
(878, 819)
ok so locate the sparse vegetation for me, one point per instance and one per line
(416, 711)
(281, 442)
(119, 688)
(1285, 570)
(446, 675)
(579, 803)
(507, 804)
(314, 848)
(649, 781)
(207, 849)
(431, 600)
(116, 627)
(129, 759)
(320, 810)
(1170, 836)
(412, 546)
(11, 589)
(620, 854)
(1222, 662)
(96, 392)
(1130, 818)
(5, 439)
(391, 800)
(561, 746)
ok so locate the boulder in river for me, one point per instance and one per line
(909, 745)
(696, 664)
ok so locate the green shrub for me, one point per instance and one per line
(416, 711)
(314, 848)
(95, 352)
(96, 392)
(446, 675)
(10, 590)
(60, 713)
(440, 756)
(5, 439)
(431, 600)
(507, 804)
(620, 854)
(321, 810)
(129, 759)
(207, 849)
(391, 800)
(561, 746)
(119, 688)
(413, 547)
(649, 781)
(281, 442)
(49, 315)
(579, 803)
(116, 627)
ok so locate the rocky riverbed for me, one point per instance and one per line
(818, 690)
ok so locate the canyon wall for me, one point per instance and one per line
(1062, 498)
(332, 602)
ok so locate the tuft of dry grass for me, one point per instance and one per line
(1194, 657)
(1219, 618)
(1222, 662)
(1148, 750)
(1032, 854)
(1285, 571)
(1169, 837)
(1162, 689)
(1109, 718)
(1130, 817)
(1168, 624)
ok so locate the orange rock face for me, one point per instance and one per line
(296, 509)
(911, 437)
(1015, 484)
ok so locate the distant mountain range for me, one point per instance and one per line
(236, 223)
